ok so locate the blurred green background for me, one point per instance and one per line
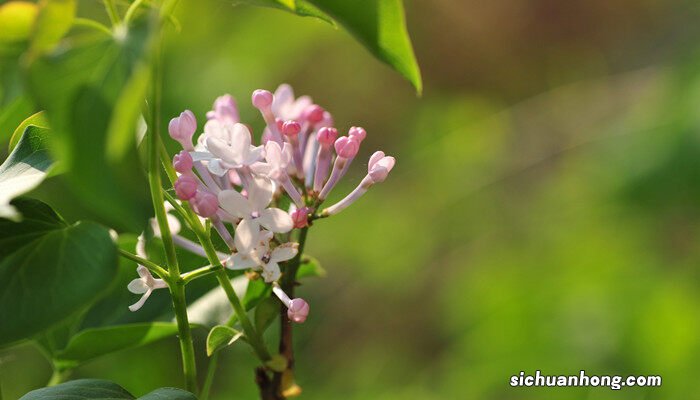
(544, 212)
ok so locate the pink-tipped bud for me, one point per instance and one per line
(183, 162)
(379, 166)
(262, 99)
(291, 128)
(205, 204)
(298, 310)
(357, 133)
(224, 109)
(182, 128)
(314, 113)
(346, 147)
(186, 187)
(327, 136)
(300, 217)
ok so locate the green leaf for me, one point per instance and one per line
(54, 20)
(266, 312)
(380, 25)
(93, 389)
(92, 91)
(24, 169)
(49, 270)
(310, 267)
(12, 114)
(93, 343)
(169, 394)
(221, 336)
(38, 120)
(98, 389)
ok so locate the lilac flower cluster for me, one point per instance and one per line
(229, 180)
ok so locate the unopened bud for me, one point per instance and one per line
(186, 187)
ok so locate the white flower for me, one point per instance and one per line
(144, 285)
(254, 213)
(278, 159)
(228, 146)
(262, 258)
(285, 106)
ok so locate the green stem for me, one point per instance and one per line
(251, 334)
(153, 267)
(131, 11)
(112, 11)
(88, 23)
(209, 380)
(177, 291)
(59, 376)
(177, 288)
(198, 273)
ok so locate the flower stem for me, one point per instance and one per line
(209, 380)
(112, 11)
(251, 334)
(153, 267)
(287, 282)
(177, 289)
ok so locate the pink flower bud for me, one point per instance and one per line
(224, 109)
(346, 147)
(183, 162)
(301, 217)
(291, 128)
(379, 166)
(298, 310)
(326, 136)
(357, 133)
(262, 99)
(314, 113)
(182, 128)
(186, 187)
(205, 204)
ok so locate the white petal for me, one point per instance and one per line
(234, 203)
(271, 272)
(201, 155)
(261, 168)
(240, 142)
(254, 154)
(273, 153)
(217, 167)
(276, 220)
(247, 233)
(260, 193)
(136, 306)
(284, 252)
(138, 286)
(240, 261)
(220, 149)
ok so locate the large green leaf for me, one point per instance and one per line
(93, 343)
(169, 394)
(93, 389)
(380, 25)
(82, 85)
(98, 389)
(49, 270)
(24, 169)
(54, 20)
